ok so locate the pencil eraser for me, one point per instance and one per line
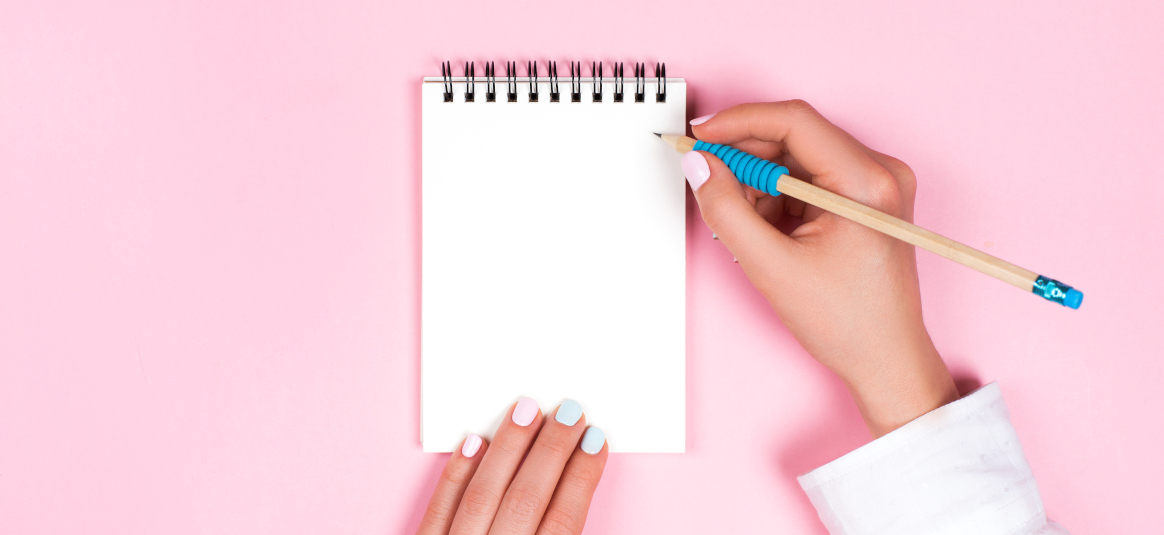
(1074, 298)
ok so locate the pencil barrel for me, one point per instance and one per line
(766, 176)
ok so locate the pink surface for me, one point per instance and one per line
(209, 252)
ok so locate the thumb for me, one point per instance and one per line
(729, 214)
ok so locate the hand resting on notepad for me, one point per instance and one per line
(538, 474)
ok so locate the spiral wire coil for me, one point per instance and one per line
(596, 81)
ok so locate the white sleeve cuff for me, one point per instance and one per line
(957, 469)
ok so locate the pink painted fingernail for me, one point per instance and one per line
(700, 120)
(695, 169)
(472, 444)
(525, 411)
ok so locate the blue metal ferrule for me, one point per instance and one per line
(757, 173)
(1053, 290)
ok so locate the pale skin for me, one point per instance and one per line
(848, 294)
(531, 479)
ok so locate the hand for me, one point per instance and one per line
(482, 490)
(848, 294)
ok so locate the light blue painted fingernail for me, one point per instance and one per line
(568, 412)
(593, 440)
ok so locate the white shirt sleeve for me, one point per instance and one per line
(958, 469)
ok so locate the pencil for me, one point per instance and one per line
(773, 179)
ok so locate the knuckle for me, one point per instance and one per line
(512, 447)
(458, 478)
(439, 514)
(560, 522)
(583, 475)
(714, 209)
(590, 474)
(884, 191)
(800, 107)
(713, 216)
(478, 502)
(901, 170)
(523, 505)
(559, 445)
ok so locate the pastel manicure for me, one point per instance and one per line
(593, 440)
(700, 120)
(695, 169)
(568, 412)
(472, 444)
(525, 412)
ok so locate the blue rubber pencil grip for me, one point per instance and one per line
(757, 173)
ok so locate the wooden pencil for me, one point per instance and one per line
(1024, 279)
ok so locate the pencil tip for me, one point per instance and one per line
(660, 135)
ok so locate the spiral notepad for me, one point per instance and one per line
(554, 231)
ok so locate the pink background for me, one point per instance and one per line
(209, 253)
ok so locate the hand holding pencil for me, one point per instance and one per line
(847, 292)
(767, 177)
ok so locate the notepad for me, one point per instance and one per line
(553, 259)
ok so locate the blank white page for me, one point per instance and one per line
(553, 262)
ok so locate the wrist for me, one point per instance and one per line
(898, 384)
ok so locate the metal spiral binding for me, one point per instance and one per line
(575, 81)
(447, 75)
(552, 72)
(596, 87)
(619, 75)
(661, 77)
(531, 68)
(511, 80)
(470, 81)
(490, 82)
(640, 82)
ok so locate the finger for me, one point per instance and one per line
(796, 208)
(750, 195)
(768, 150)
(526, 500)
(483, 496)
(776, 205)
(836, 161)
(566, 513)
(771, 208)
(442, 507)
(794, 167)
(726, 209)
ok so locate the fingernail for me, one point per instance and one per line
(593, 440)
(568, 412)
(714, 236)
(735, 260)
(472, 444)
(700, 120)
(695, 169)
(525, 411)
